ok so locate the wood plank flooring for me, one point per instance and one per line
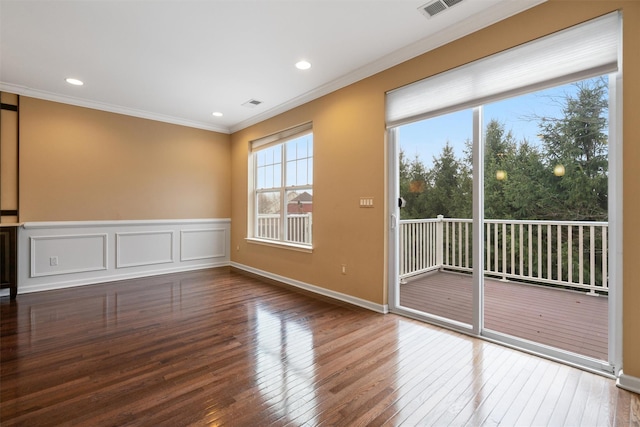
(216, 347)
(568, 320)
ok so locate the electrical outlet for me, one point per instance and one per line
(53, 261)
(344, 268)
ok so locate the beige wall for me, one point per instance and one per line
(349, 162)
(83, 164)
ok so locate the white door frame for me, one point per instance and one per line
(614, 365)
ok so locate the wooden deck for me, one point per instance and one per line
(567, 320)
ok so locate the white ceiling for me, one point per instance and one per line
(179, 61)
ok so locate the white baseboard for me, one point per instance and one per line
(56, 255)
(115, 277)
(379, 308)
(628, 382)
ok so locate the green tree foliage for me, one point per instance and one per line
(519, 181)
(578, 141)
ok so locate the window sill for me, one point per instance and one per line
(281, 245)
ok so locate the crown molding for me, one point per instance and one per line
(96, 105)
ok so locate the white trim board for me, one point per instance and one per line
(379, 308)
(628, 382)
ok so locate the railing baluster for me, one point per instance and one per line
(422, 246)
(521, 248)
(605, 256)
(453, 244)
(496, 245)
(504, 251)
(466, 244)
(580, 255)
(446, 245)
(487, 238)
(549, 250)
(513, 245)
(540, 268)
(592, 258)
(559, 249)
(459, 244)
(569, 253)
(530, 270)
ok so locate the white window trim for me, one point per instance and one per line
(262, 143)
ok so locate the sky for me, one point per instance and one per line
(426, 138)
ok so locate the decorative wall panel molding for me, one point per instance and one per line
(202, 244)
(134, 249)
(68, 254)
(54, 255)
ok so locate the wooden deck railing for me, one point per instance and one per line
(298, 227)
(564, 253)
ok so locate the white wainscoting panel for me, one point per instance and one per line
(202, 244)
(54, 255)
(134, 249)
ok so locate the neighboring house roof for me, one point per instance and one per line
(302, 198)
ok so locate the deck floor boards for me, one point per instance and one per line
(569, 320)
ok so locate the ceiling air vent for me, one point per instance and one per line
(252, 103)
(434, 7)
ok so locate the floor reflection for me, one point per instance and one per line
(284, 367)
(431, 396)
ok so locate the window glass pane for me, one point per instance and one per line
(277, 154)
(291, 151)
(277, 175)
(299, 160)
(546, 154)
(269, 202)
(269, 172)
(436, 227)
(299, 216)
(260, 177)
(302, 172)
(302, 148)
(545, 204)
(268, 218)
(291, 174)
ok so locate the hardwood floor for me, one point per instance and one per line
(216, 347)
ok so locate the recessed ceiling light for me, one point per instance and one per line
(217, 114)
(74, 82)
(303, 65)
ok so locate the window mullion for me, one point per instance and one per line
(283, 193)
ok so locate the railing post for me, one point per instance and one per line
(439, 241)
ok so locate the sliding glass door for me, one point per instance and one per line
(435, 186)
(503, 221)
(546, 218)
(504, 197)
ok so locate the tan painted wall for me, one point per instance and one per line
(349, 151)
(83, 164)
